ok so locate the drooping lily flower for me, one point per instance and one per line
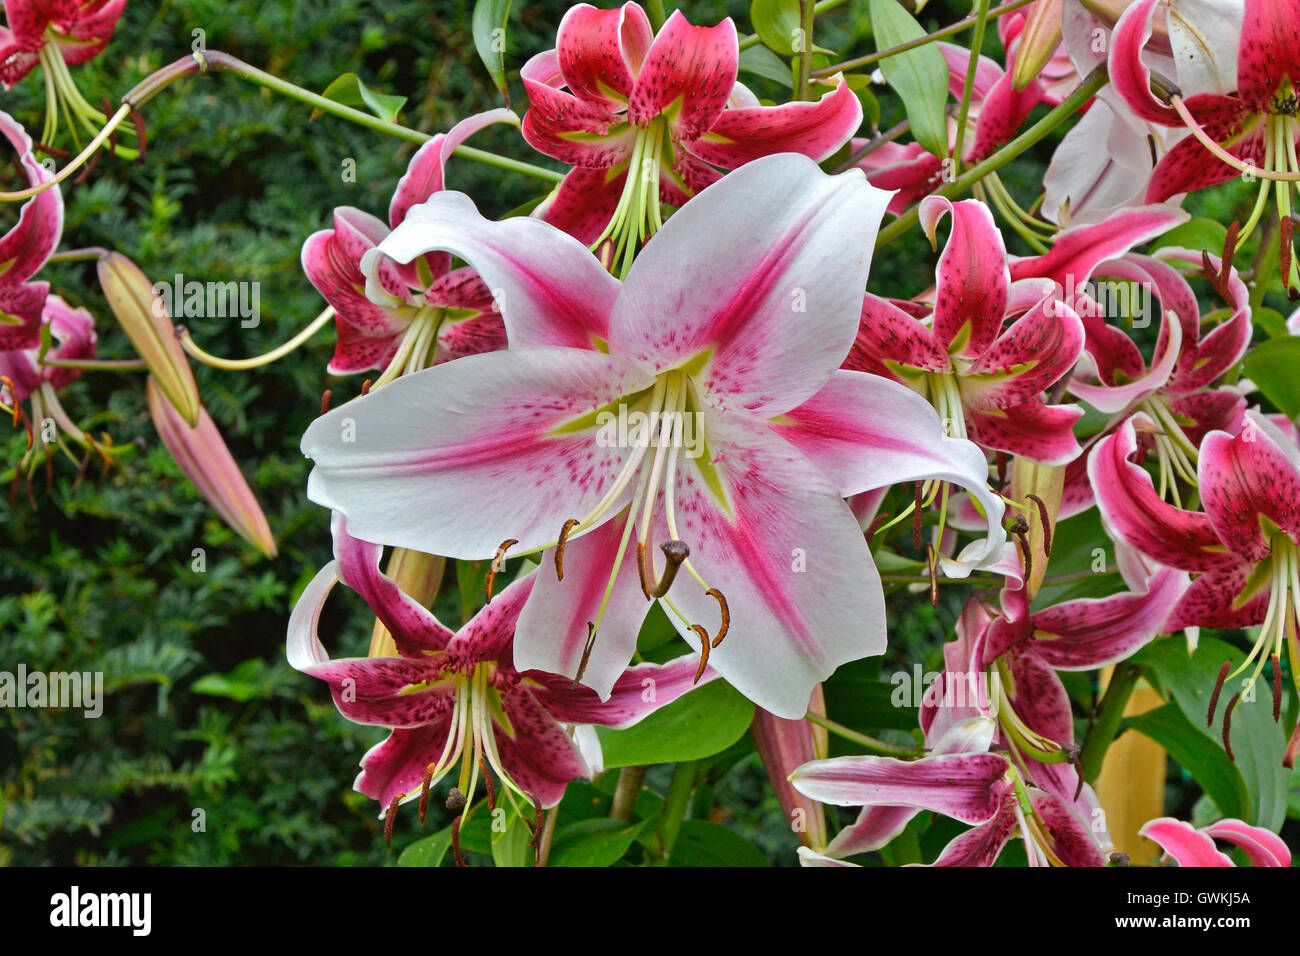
(1242, 547)
(965, 782)
(645, 118)
(57, 34)
(461, 698)
(1245, 122)
(72, 333)
(428, 312)
(985, 381)
(1189, 846)
(698, 404)
(26, 246)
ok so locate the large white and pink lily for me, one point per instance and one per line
(429, 312)
(459, 699)
(698, 405)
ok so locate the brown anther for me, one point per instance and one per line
(1277, 687)
(932, 562)
(365, 387)
(1227, 725)
(1119, 859)
(559, 548)
(538, 819)
(1000, 458)
(640, 570)
(1046, 519)
(424, 792)
(724, 611)
(1218, 689)
(325, 401)
(704, 651)
(586, 652)
(455, 800)
(675, 552)
(495, 566)
(488, 784)
(916, 517)
(876, 522)
(390, 819)
(455, 843)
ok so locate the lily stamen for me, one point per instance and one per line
(559, 548)
(495, 567)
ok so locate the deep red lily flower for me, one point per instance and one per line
(77, 30)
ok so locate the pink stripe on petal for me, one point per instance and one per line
(600, 51)
(397, 765)
(1252, 475)
(1129, 75)
(26, 246)
(1263, 847)
(972, 278)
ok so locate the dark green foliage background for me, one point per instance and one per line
(98, 576)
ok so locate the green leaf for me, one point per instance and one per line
(1271, 321)
(511, 846)
(856, 697)
(1202, 757)
(701, 843)
(594, 842)
(1206, 235)
(860, 84)
(248, 681)
(1272, 366)
(427, 851)
(350, 91)
(920, 76)
(704, 722)
(761, 61)
(777, 23)
(489, 26)
(1258, 744)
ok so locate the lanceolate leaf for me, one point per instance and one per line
(1272, 366)
(489, 26)
(350, 91)
(701, 724)
(920, 76)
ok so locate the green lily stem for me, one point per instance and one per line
(676, 804)
(207, 60)
(1107, 720)
(976, 44)
(88, 254)
(658, 15)
(959, 27)
(808, 13)
(1030, 137)
(625, 794)
(822, 7)
(871, 743)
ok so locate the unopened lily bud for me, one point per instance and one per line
(1038, 41)
(143, 317)
(787, 744)
(207, 462)
(418, 575)
(1039, 489)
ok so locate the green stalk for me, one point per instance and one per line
(202, 62)
(676, 804)
(1109, 714)
(976, 44)
(871, 743)
(959, 27)
(1030, 137)
(821, 7)
(808, 13)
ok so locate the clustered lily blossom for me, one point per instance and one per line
(691, 382)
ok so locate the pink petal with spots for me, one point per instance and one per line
(1270, 50)
(584, 203)
(565, 126)
(1247, 477)
(1189, 166)
(889, 337)
(1263, 847)
(637, 693)
(1044, 433)
(972, 278)
(26, 246)
(909, 169)
(1078, 251)
(535, 751)
(600, 52)
(1031, 356)
(396, 766)
(815, 129)
(1129, 75)
(689, 69)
